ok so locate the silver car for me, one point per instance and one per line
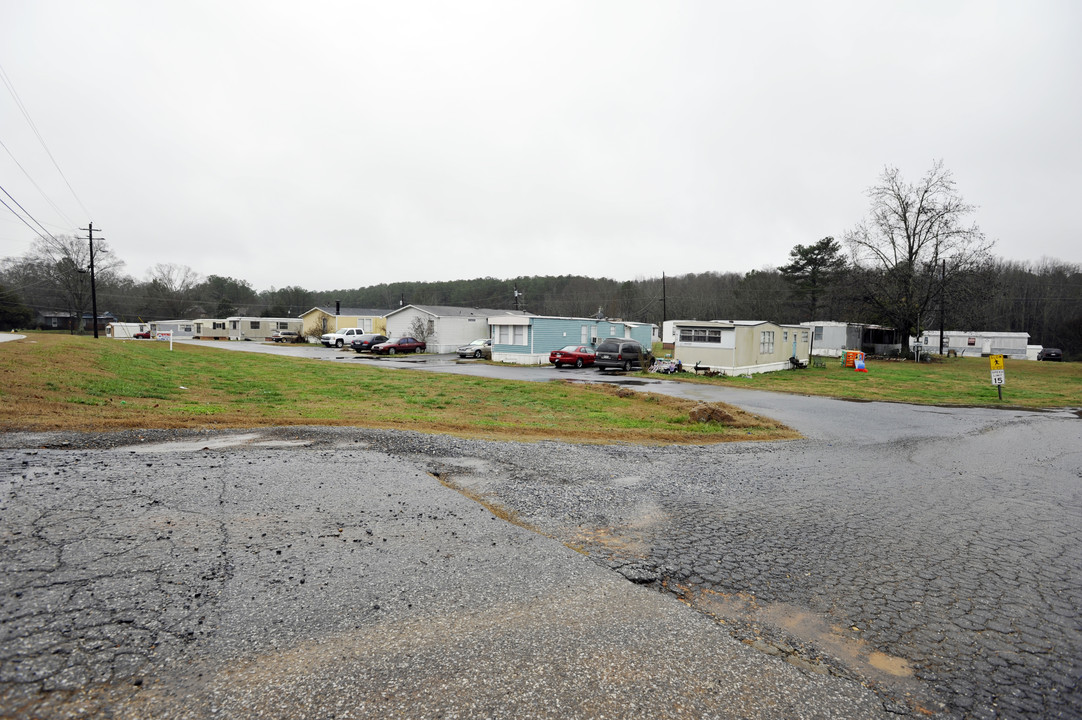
(482, 347)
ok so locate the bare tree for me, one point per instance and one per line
(170, 287)
(422, 329)
(915, 241)
(60, 264)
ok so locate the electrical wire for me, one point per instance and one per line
(33, 126)
(21, 217)
(27, 214)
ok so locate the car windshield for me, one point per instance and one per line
(570, 348)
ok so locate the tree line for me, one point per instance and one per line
(913, 263)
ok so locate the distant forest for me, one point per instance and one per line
(916, 262)
(1043, 299)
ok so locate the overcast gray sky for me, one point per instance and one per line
(338, 145)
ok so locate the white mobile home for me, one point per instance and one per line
(124, 330)
(834, 338)
(447, 327)
(976, 343)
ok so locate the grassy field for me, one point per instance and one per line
(951, 381)
(56, 382)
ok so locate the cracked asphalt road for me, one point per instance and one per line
(320, 573)
(897, 561)
(933, 554)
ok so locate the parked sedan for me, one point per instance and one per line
(284, 336)
(481, 347)
(1050, 354)
(141, 336)
(364, 343)
(577, 355)
(400, 345)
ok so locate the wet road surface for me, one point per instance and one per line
(933, 555)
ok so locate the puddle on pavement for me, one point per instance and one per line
(843, 644)
(804, 627)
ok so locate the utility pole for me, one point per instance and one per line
(93, 289)
(517, 293)
(943, 305)
(664, 303)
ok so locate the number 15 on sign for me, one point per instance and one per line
(999, 375)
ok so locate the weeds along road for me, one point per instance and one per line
(899, 559)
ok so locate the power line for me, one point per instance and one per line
(34, 127)
(21, 218)
(27, 213)
(34, 183)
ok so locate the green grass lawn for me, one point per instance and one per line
(55, 381)
(951, 381)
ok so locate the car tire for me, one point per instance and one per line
(390, 351)
(477, 353)
(627, 366)
(556, 365)
(338, 344)
(578, 363)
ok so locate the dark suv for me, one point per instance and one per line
(620, 354)
(1050, 354)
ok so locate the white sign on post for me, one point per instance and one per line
(999, 377)
(166, 335)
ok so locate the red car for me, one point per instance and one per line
(577, 355)
(141, 336)
(401, 345)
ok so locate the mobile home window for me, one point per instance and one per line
(701, 335)
(818, 333)
(254, 324)
(766, 342)
(509, 334)
(233, 324)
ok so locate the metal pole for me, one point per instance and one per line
(93, 287)
(942, 304)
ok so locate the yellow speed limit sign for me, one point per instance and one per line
(999, 375)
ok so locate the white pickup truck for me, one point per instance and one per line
(340, 337)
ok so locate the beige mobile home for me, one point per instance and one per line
(739, 347)
(210, 329)
(259, 329)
